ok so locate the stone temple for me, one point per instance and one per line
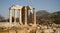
(23, 14)
(24, 18)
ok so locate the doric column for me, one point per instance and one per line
(20, 16)
(34, 11)
(25, 15)
(10, 16)
(14, 15)
(31, 16)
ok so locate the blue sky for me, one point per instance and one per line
(49, 5)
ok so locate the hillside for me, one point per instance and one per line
(43, 13)
(56, 16)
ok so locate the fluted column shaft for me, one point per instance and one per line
(20, 16)
(14, 15)
(10, 16)
(34, 11)
(25, 16)
(31, 13)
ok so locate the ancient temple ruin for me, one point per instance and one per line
(23, 14)
(26, 14)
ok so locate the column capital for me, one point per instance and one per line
(34, 8)
(25, 7)
(14, 9)
(19, 9)
(30, 9)
(10, 9)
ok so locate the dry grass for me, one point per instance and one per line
(6, 30)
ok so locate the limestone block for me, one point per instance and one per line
(12, 31)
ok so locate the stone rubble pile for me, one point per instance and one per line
(53, 28)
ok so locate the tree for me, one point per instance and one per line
(1, 18)
(56, 17)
